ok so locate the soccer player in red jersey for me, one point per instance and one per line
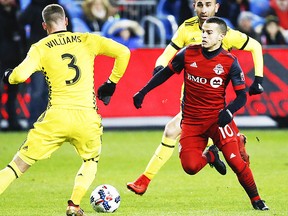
(208, 69)
(189, 32)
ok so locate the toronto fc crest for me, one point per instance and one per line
(218, 69)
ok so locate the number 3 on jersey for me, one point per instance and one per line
(72, 66)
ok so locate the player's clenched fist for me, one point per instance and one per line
(224, 117)
(138, 99)
(105, 91)
(256, 87)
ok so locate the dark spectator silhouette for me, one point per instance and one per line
(250, 24)
(271, 33)
(231, 9)
(11, 54)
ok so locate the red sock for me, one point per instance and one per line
(247, 181)
(210, 157)
(242, 170)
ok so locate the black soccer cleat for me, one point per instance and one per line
(260, 205)
(218, 164)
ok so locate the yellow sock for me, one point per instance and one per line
(160, 157)
(8, 175)
(83, 180)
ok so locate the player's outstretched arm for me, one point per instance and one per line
(157, 69)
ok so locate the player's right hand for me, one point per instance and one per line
(105, 91)
(157, 69)
(224, 117)
(6, 75)
(138, 99)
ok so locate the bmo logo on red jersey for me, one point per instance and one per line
(215, 82)
(197, 79)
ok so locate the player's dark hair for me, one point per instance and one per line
(216, 1)
(221, 23)
(52, 13)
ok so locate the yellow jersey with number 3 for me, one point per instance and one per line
(67, 61)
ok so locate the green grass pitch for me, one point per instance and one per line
(45, 188)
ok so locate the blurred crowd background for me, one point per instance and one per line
(136, 24)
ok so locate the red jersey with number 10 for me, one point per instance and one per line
(206, 76)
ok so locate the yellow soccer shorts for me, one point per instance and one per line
(80, 127)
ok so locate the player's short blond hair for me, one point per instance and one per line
(53, 13)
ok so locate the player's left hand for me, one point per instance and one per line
(256, 87)
(224, 117)
(6, 75)
(105, 91)
(138, 99)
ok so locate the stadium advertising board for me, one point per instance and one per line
(165, 100)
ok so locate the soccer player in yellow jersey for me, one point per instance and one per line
(67, 61)
(190, 33)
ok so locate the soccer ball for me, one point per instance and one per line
(105, 198)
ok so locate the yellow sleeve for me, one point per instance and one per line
(166, 56)
(179, 37)
(256, 49)
(234, 40)
(237, 40)
(188, 32)
(170, 51)
(27, 67)
(121, 54)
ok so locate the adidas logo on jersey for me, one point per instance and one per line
(194, 65)
(232, 155)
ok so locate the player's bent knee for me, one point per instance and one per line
(172, 131)
(189, 165)
(27, 160)
(190, 170)
(172, 128)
